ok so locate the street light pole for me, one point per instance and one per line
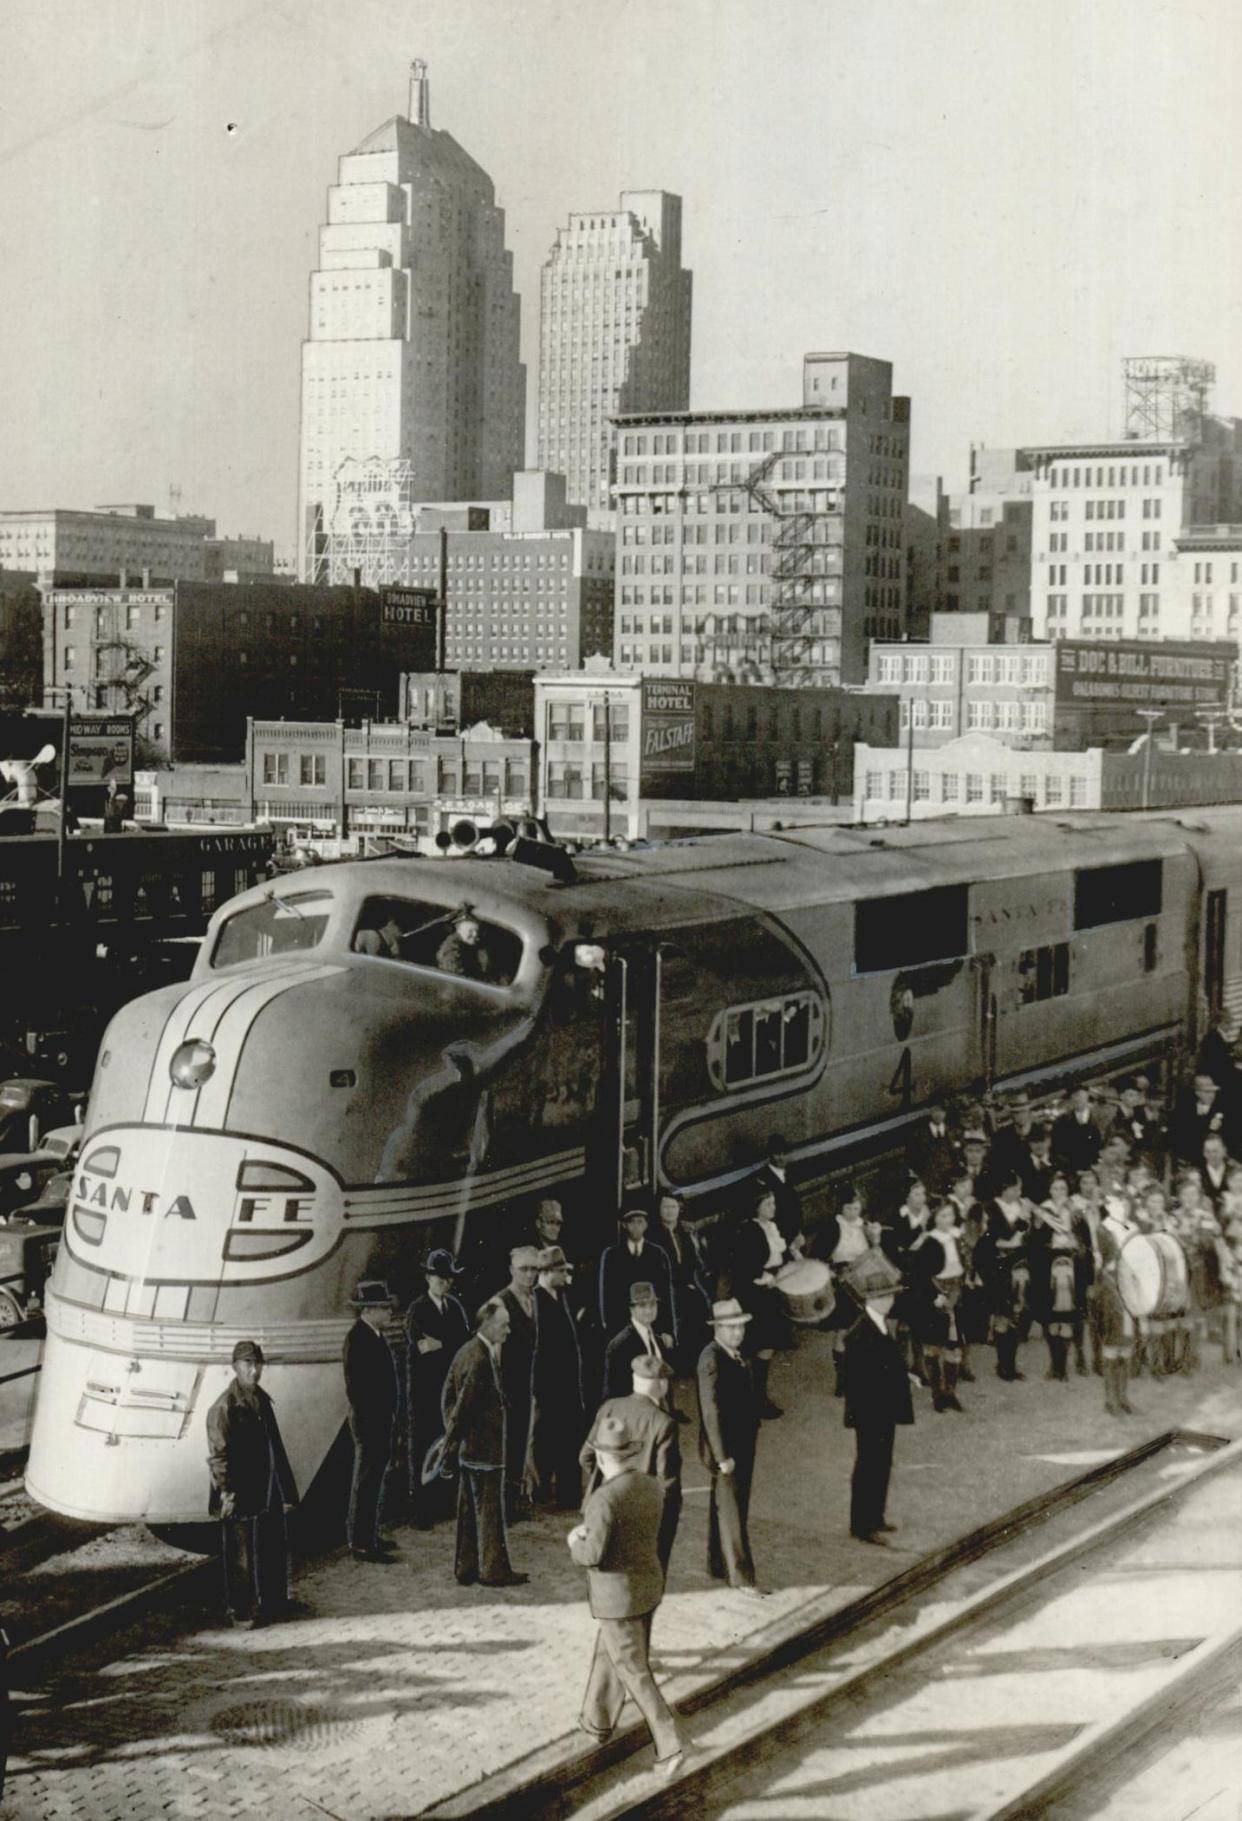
(1151, 716)
(66, 689)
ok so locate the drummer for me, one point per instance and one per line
(758, 1251)
(842, 1239)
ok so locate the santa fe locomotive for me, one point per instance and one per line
(301, 1115)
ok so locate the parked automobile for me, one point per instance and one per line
(28, 1107)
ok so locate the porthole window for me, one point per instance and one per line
(767, 1038)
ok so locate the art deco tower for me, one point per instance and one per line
(614, 334)
(412, 388)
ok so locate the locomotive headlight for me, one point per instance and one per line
(193, 1062)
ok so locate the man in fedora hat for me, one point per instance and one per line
(252, 1490)
(728, 1432)
(372, 1388)
(639, 1335)
(646, 1412)
(436, 1325)
(617, 1543)
(560, 1406)
(634, 1259)
(474, 1441)
(877, 1392)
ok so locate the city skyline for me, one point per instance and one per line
(1004, 235)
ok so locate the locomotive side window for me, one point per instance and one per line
(1118, 894)
(1043, 973)
(911, 929)
(278, 926)
(770, 1037)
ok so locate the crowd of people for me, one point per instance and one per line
(550, 1377)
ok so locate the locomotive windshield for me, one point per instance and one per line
(453, 939)
(280, 925)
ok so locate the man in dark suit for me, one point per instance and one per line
(775, 1176)
(647, 1414)
(1076, 1138)
(517, 1367)
(252, 1490)
(728, 1433)
(639, 1335)
(1198, 1110)
(617, 1542)
(474, 1441)
(933, 1154)
(372, 1388)
(877, 1393)
(436, 1325)
(633, 1260)
(560, 1407)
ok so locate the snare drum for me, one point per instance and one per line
(1151, 1275)
(805, 1286)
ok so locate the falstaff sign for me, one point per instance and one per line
(668, 725)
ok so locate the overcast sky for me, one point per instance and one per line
(1002, 198)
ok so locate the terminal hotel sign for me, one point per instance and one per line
(1167, 675)
(667, 725)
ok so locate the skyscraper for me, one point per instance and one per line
(412, 388)
(614, 334)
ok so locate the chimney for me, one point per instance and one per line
(420, 94)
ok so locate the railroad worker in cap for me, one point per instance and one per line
(640, 1334)
(646, 1412)
(252, 1489)
(474, 1443)
(634, 1259)
(373, 1391)
(518, 1373)
(618, 1543)
(436, 1325)
(560, 1405)
(877, 1393)
(728, 1433)
(462, 951)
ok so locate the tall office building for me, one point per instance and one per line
(412, 388)
(766, 546)
(614, 334)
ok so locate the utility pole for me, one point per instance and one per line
(66, 689)
(1151, 716)
(1211, 716)
(910, 765)
(607, 769)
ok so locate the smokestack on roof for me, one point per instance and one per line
(420, 94)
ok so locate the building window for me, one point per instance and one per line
(974, 787)
(275, 768)
(313, 768)
(357, 775)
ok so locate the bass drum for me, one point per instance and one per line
(1151, 1276)
(805, 1285)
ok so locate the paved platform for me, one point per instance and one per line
(395, 1691)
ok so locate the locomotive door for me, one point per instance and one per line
(1214, 954)
(630, 1076)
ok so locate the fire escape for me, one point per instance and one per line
(804, 584)
(120, 669)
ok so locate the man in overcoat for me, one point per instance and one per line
(474, 1442)
(252, 1490)
(877, 1393)
(633, 1260)
(374, 1395)
(639, 1335)
(617, 1543)
(518, 1371)
(560, 1408)
(436, 1326)
(646, 1413)
(728, 1433)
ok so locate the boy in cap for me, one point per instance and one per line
(728, 1433)
(647, 1413)
(877, 1393)
(252, 1489)
(436, 1325)
(617, 1542)
(372, 1389)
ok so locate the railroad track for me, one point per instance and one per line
(760, 1731)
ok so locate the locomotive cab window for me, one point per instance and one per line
(453, 940)
(281, 924)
